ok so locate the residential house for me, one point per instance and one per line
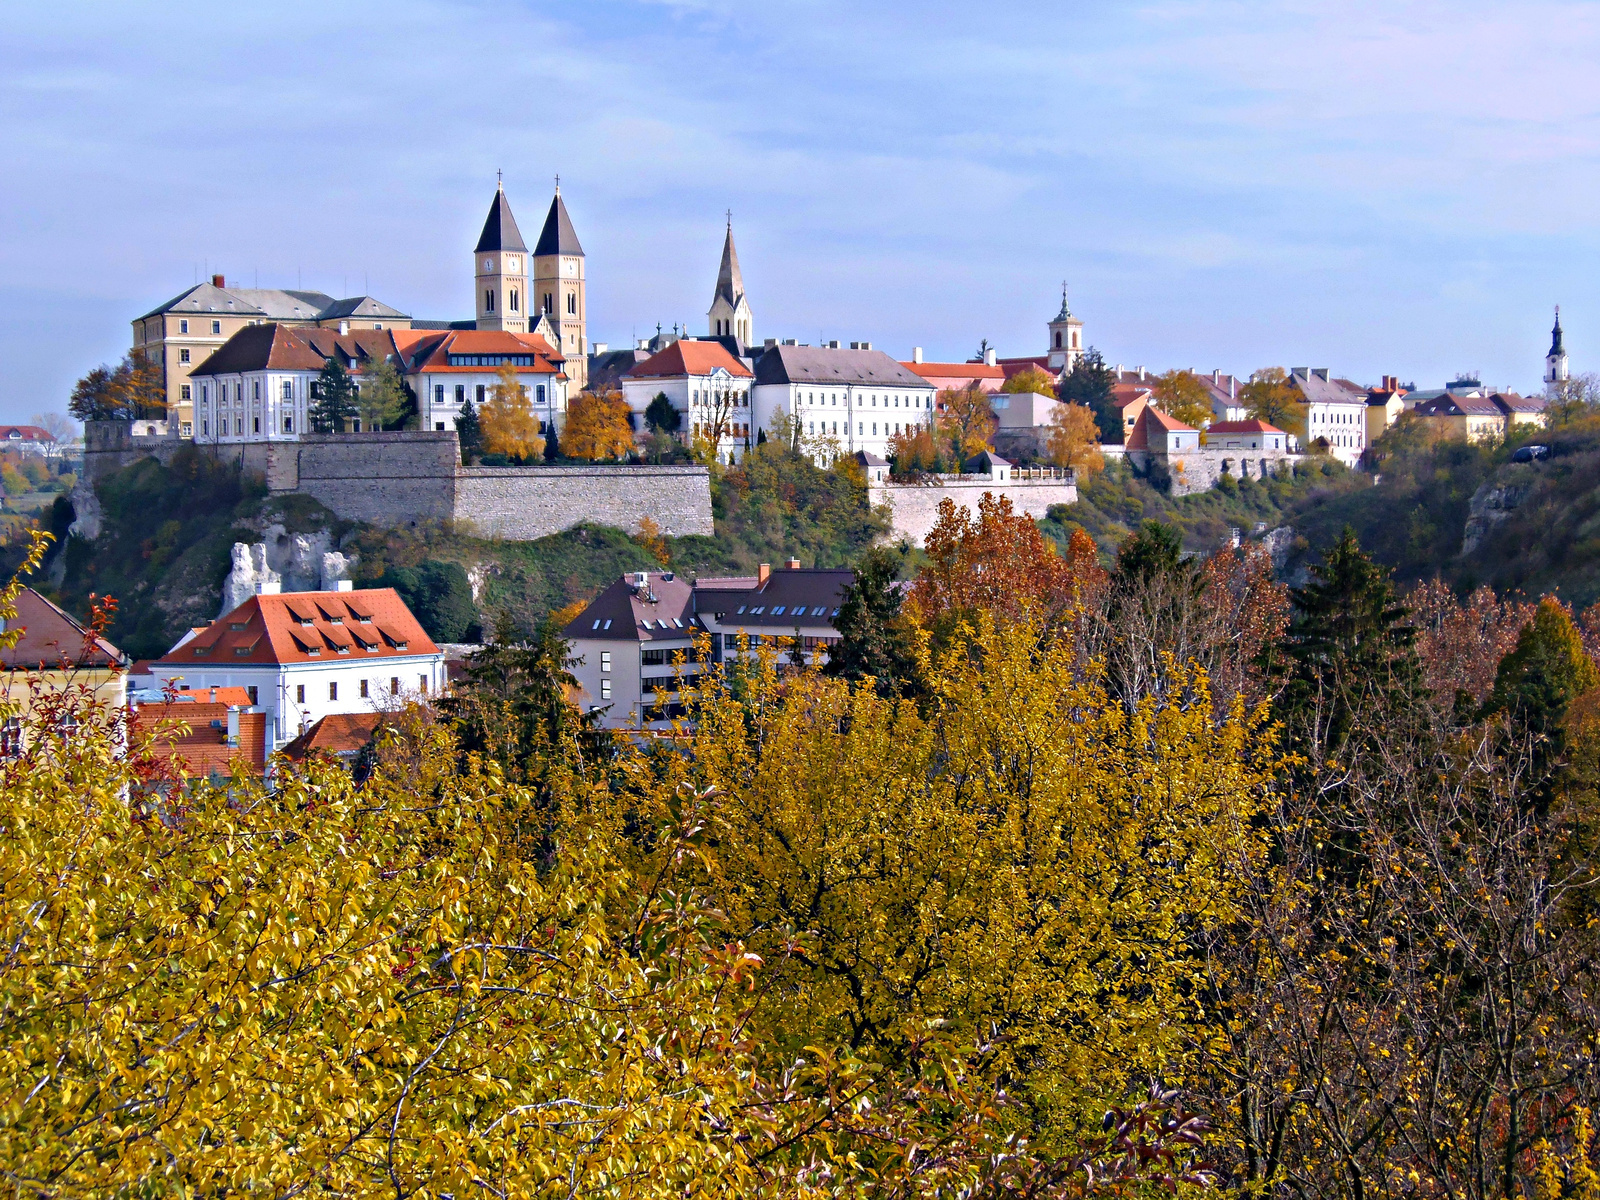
(1130, 400)
(1476, 417)
(341, 736)
(187, 330)
(1023, 421)
(54, 653)
(707, 386)
(1385, 403)
(27, 439)
(1157, 433)
(303, 655)
(203, 739)
(843, 400)
(650, 633)
(1336, 412)
(448, 369)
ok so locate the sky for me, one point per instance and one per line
(1390, 187)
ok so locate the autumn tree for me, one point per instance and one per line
(597, 428)
(382, 400)
(58, 431)
(1090, 383)
(1181, 395)
(1074, 440)
(1270, 397)
(998, 563)
(1460, 642)
(135, 389)
(1030, 379)
(507, 420)
(917, 452)
(965, 419)
(876, 640)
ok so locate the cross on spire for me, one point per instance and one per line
(558, 185)
(730, 219)
(499, 180)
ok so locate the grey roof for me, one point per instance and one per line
(500, 230)
(797, 593)
(272, 304)
(659, 609)
(558, 236)
(730, 281)
(1315, 386)
(443, 325)
(820, 364)
(359, 306)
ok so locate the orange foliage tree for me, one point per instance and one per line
(965, 418)
(1461, 644)
(1000, 563)
(597, 427)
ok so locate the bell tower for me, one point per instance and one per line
(1066, 337)
(500, 268)
(730, 315)
(558, 288)
(1555, 363)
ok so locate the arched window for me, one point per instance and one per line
(572, 303)
(1058, 339)
(514, 299)
(488, 300)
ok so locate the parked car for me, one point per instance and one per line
(1530, 453)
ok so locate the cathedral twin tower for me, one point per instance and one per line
(546, 295)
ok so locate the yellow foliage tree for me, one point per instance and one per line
(1021, 864)
(965, 419)
(1074, 439)
(1031, 379)
(597, 427)
(1180, 394)
(506, 419)
(1270, 397)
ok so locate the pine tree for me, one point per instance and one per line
(469, 433)
(335, 405)
(1089, 383)
(1541, 677)
(875, 637)
(552, 442)
(1352, 666)
(662, 415)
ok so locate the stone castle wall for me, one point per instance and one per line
(408, 477)
(914, 507)
(523, 503)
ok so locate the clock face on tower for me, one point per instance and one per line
(488, 265)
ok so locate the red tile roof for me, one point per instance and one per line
(296, 348)
(1253, 425)
(1124, 394)
(340, 734)
(1139, 439)
(197, 735)
(51, 638)
(689, 358)
(431, 351)
(23, 433)
(297, 627)
(961, 370)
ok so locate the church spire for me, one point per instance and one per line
(1065, 312)
(1556, 348)
(730, 281)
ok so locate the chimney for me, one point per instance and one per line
(989, 357)
(641, 343)
(916, 354)
(344, 328)
(1216, 378)
(792, 565)
(831, 345)
(233, 724)
(599, 347)
(1141, 373)
(763, 574)
(344, 585)
(218, 281)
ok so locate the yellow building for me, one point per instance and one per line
(182, 333)
(53, 655)
(1475, 417)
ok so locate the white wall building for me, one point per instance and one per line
(1336, 410)
(304, 655)
(702, 381)
(844, 400)
(446, 370)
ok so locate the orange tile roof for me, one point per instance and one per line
(1253, 425)
(689, 358)
(431, 350)
(337, 734)
(1139, 439)
(186, 732)
(1124, 394)
(297, 627)
(962, 370)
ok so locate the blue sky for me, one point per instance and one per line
(1392, 187)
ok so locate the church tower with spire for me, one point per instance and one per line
(558, 288)
(1066, 337)
(729, 315)
(500, 265)
(1555, 363)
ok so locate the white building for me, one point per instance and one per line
(843, 400)
(1336, 412)
(707, 385)
(304, 655)
(446, 370)
(1555, 363)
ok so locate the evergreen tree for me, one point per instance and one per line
(1089, 383)
(552, 442)
(381, 403)
(662, 415)
(1352, 669)
(761, 437)
(335, 405)
(469, 433)
(1541, 677)
(439, 595)
(875, 637)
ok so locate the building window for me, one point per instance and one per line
(333, 691)
(488, 300)
(216, 327)
(288, 424)
(478, 391)
(185, 393)
(394, 685)
(183, 355)
(605, 660)
(254, 695)
(541, 393)
(438, 393)
(461, 393)
(11, 737)
(205, 428)
(299, 693)
(605, 689)
(255, 389)
(548, 303)
(438, 426)
(288, 389)
(257, 424)
(238, 427)
(513, 300)
(422, 684)
(572, 303)
(1058, 339)
(363, 689)
(183, 326)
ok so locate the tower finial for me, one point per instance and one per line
(558, 185)
(730, 218)
(499, 180)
